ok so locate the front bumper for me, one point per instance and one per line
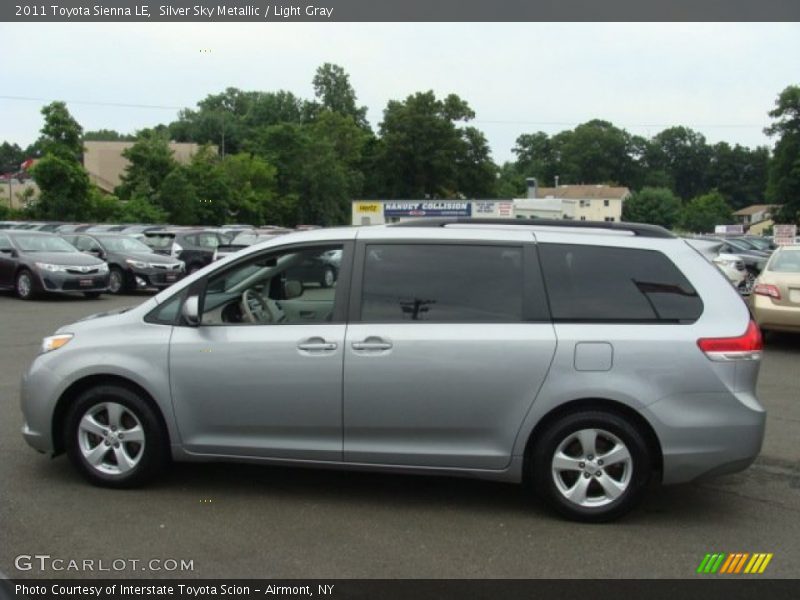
(705, 435)
(59, 281)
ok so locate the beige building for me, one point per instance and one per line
(755, 214)
(580, 202)
(106, 165)
(17, 194)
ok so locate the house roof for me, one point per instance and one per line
(754, 208)
(583, 192)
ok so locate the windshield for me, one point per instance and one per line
(124, 244)
(739, 245)
(43, 243)
(786, 261)
(160, 240)
(759, 243)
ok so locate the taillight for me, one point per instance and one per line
(747, 346)
(765, 289)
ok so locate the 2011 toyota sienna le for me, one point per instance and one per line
(586, 358)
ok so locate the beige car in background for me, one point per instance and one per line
(776, 293)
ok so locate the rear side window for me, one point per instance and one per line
(442, 283)
(600, 284)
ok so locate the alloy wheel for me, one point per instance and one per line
(592, 468)
(24, 285)
(111, 438)
(115, 281)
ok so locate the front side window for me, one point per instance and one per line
(606, 284)
(442, 283)
(292, 286)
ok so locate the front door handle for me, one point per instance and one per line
(372, 344)
(316, 344)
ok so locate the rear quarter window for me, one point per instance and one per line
(606, 284)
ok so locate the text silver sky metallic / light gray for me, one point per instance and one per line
(585, 358)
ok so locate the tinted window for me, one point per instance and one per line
(591, 283)
(444, 283)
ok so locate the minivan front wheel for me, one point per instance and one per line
(114, 438)
(591, 466)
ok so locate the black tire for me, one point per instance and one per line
(92, 295)
(328, 277)
(193, 268)
(29, 290)
(151, 456)
(117, 282)
(559, 432)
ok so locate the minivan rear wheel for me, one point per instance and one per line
(114, 437)
(591, 466)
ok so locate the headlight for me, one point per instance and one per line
(102, 268)
(136, 263)
(50, 267)
(54, 342)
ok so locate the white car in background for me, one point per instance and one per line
(731, 265)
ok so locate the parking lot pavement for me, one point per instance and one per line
(250, 521)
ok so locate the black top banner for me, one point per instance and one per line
(182, 11)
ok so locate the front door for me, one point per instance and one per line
(259, 377)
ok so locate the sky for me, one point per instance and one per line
(720, 78)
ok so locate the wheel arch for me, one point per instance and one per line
(602, 404)
(75, 389)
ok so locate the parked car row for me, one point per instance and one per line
(741, 258)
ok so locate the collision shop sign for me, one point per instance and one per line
(430, 208)
(784, 235)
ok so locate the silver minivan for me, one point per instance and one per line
(587, 359)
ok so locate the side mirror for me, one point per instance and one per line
(10, 251)
(292, 289)
(190, 311)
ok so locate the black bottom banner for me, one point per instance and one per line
(412, 589)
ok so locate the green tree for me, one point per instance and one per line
(702, 213)
(61, 134)
(102, 207)
(334, 92)
(140, 210)
(422, 146)
(64, 188)
(63, 182)
(150, 161)
(784, 169)
(107, 135)
(253, 189)
(739, 173)
(658, 206)
(683, 156)
(178, 198)
(11, 156)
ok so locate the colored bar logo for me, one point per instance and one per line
(735, 563)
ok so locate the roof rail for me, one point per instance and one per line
(638, 229)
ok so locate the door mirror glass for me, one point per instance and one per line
(191, 311)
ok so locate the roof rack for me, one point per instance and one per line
(638, 229)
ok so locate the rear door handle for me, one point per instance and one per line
(372, 344)
(316, 344)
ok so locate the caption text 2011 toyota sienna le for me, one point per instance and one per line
(586, 358)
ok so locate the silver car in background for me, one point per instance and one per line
(588, 359)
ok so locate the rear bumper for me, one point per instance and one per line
(705, 435)
(772, 316)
